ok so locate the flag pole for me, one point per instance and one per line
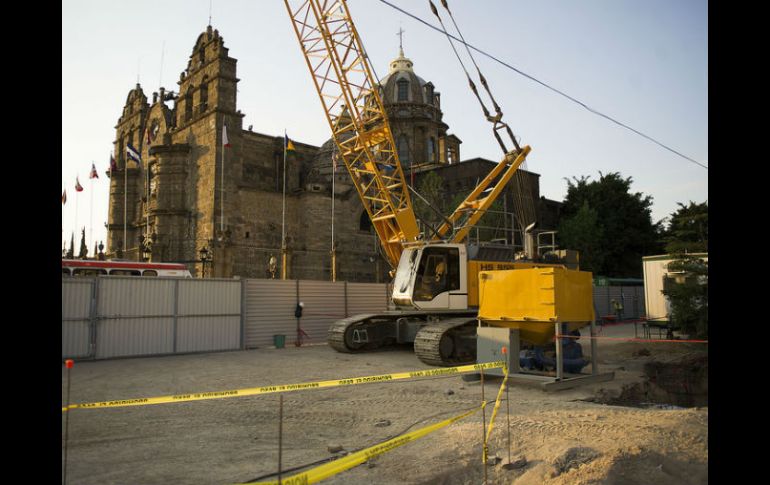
(91, 214)
(333, 253)
(283, 212)
(147, 193)
(125, 202)
(76, 209)
(222, 185)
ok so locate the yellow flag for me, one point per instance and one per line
(289, 145)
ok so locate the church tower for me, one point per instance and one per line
(125, 179)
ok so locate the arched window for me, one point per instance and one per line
(403, 150)
(188, 104)
(431, 149)
(204, 93)
(403, 90)
(364, 223)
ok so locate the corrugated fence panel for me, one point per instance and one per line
(208, 334)
(208, 315)
(123, 337)
(324, 303)
(75, 313)
(601, 302)
(268, 309)
(132, 296)
(209, 297)
(135, 316)
(367, 298)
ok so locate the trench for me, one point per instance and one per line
(682, 383)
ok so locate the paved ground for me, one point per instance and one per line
(236, 440)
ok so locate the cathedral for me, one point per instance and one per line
(204, 191)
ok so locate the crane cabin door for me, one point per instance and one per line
(440, 280)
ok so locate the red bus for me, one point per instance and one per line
(85, 267)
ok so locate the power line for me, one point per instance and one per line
(545, 85)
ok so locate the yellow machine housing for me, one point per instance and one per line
(532, 300)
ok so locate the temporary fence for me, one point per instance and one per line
(108, 317)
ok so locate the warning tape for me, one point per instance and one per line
(354, 459)
(634, 339)
(494, 413)
(146, 401)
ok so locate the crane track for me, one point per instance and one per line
(444, 340)
(447, 342)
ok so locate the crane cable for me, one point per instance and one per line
(523, 202)
(531, 78)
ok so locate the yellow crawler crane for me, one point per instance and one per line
(436, 281)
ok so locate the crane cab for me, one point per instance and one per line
(432, 277)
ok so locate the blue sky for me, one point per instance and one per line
(644, 63)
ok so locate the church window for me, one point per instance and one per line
(403, 150)
(364, 223)
(431, 149)
(188, 104)
(403, 90)
(204, 94)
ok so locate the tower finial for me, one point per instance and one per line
(210, 2)
(400, 35)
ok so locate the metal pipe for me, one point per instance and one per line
(559, 356)
(280, 436)
(483, 429)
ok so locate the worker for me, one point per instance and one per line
(618, 308)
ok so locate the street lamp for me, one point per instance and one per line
(205, 255)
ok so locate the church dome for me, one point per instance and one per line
(403, 85)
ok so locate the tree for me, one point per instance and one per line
(688, 229)
(623, 223)
(431, 188)
(688, 291)
(584, 231)
(83, 249)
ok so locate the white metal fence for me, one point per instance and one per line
(113, 316)
(109, 317)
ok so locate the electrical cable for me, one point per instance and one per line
(598, 113)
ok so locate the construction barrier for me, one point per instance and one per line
(643, 340)
(146, 401)
(494, 413)
(354, 459)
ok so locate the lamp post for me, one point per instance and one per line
(205, 255)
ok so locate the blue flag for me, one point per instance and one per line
(132, 154)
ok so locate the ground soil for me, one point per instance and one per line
(565, 437)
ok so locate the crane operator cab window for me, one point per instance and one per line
(439, 271)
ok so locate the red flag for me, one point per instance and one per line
(64, 197)
(225, 141)
(93, 175)
(78, 187)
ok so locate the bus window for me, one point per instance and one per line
(150, 272)
(88, 271)
(125, 272)
(66, 271)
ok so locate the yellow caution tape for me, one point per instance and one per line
(494, 413)
(145, 401)
(354, 459)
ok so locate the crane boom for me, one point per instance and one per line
(351, 101)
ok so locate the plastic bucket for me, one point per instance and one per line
(279, 341)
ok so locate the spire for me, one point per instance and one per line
(400, 42)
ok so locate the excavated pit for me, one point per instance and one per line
(682, 383)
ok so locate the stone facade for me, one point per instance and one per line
(179, 201)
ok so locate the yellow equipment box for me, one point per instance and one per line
(533, 300)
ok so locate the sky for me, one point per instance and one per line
(643, 63)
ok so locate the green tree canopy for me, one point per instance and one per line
(621, 231)
(688, 229)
